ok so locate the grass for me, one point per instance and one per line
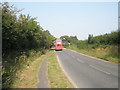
(27, 76)
(56, 77)
(25, 81)
(100, 52)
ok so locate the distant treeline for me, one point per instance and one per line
(105, 46)
(22, 32)
(69, 40)
(112, 38)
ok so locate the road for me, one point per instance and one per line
(87, 72)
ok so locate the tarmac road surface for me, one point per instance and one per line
(88, 72)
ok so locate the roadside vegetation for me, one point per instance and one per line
(100, 52)
(27, 77)
(25, 43)
(23, 40)
(105, 46)
(56, 77)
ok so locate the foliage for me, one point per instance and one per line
(112, 38)
(68, 40)
(90, 39)
(108, 43)
(22, 39)
(23, 32)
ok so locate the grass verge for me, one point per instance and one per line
(102, 53)
(28, 76)
(56, 77)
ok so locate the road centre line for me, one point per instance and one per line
(73, 56)
(80, 60)
(90, 56)
(99, 69)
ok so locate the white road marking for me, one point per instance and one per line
(99, 69)
(59, 62)
(80, 60)
(73, 56)
(90, 56)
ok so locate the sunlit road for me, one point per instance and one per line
(88, 72)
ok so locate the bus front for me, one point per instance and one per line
(58, 45)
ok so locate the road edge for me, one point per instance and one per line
(91, 56)
(71, 81)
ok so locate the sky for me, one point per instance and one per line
(73, 18)
(119, 15)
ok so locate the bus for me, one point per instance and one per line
(58, 45)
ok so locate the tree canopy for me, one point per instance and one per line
(69, 40)
(23, 31)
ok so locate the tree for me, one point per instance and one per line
(22, 32)
(90, 39)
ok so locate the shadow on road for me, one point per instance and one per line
(55, 49)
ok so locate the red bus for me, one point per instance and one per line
(58, 45)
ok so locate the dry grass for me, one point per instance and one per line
(57, 78)
(28, 77)
(109, 53)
